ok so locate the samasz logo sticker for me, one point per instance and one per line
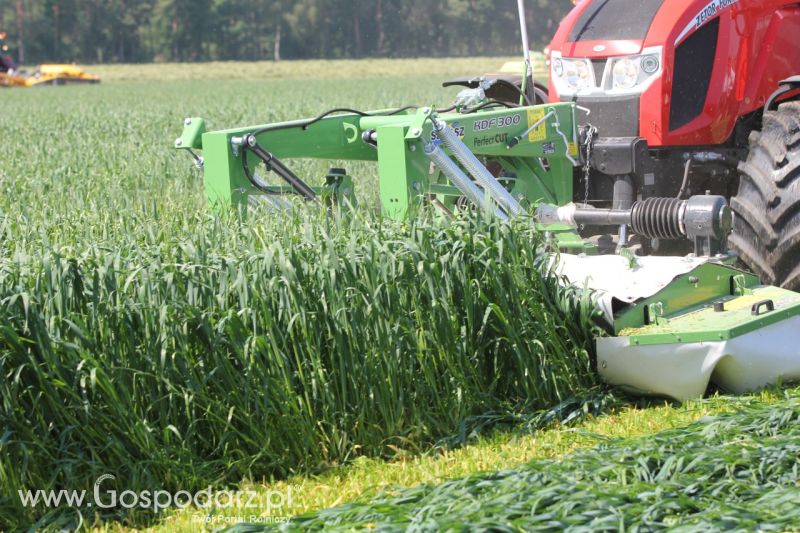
(459, 130)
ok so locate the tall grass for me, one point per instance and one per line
(143, 337)
(250, 352)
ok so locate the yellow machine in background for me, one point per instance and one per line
(47, 75)
(10, 76)
(9, 80)
(60, 75)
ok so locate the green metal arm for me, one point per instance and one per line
(538, 168)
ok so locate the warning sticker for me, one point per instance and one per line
(540, 133)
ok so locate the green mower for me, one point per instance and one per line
(676, 322)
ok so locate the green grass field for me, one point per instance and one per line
(145, 337)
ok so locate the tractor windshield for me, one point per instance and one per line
(615, 20)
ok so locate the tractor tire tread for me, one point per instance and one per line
(767, 225)
(793, 279)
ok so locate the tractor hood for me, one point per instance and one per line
(607, 28)
(654, 69)
(611, 27)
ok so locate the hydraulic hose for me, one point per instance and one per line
(304, 125)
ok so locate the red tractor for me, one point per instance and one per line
(687, 96)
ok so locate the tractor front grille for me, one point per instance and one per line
(614, 116)
(599, 66)
(694, 63)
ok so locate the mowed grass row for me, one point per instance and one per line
(144, 337)
(733, 472)
(507, 447)
(433, 69)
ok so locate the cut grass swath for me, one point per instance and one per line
(736, 472)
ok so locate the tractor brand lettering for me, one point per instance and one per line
(497, 123)
(491, 140)
(707, 13)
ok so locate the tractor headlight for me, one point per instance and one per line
(626, 74)
(635, 73)
(571, 76)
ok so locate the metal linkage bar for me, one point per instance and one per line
(705, 220)
(460, 180)
(526, 50)
(476, 169)
(273, 164)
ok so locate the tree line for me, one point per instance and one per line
(133, 31)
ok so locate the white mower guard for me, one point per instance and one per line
(749, 357)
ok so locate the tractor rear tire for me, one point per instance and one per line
(766, 232)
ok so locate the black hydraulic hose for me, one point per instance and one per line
(250, 176)
(517, 89)
(265, 188)
(305, 125)
(490, 104)
(351, 111)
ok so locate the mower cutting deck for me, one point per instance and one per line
(682, 322)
